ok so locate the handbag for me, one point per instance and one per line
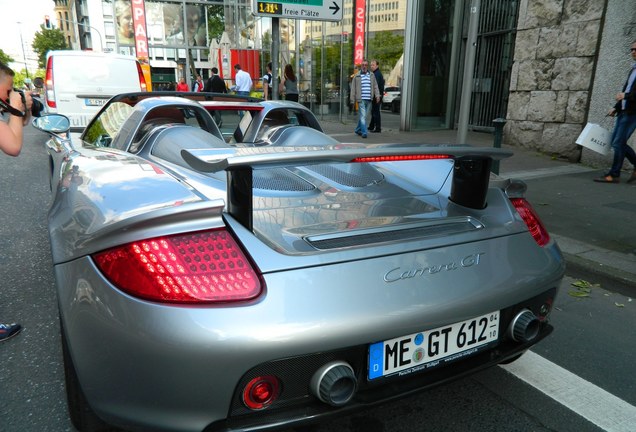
(596, 138)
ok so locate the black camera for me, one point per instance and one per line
(36, 107)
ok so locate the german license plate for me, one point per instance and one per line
(95, 102)
(431, 348)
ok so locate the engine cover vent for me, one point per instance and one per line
(280, 179)
(351, 175)
(367, 237)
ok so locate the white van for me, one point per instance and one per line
(78, 83)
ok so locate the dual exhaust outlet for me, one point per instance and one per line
(524, 327)
(335, 383)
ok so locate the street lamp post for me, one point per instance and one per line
(101, 43)
(26, 67)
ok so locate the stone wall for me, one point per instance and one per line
(554, 64)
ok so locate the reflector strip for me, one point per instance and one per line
(395, 158)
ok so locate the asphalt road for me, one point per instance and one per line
(594, 340)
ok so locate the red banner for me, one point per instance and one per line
(139, 23)
(359, 30)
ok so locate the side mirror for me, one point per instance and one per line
(38, 82)
(52, 123)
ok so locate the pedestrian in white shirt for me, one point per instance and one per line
(243, 81)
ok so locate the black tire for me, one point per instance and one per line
(395, 106)
(82, 415)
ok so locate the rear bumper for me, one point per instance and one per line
(301, 408)
(310, 413)
(147, 366)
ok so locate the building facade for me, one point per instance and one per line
(381, 15)
(547, 67)
(101, 25)
(556, 66)
(176, 31)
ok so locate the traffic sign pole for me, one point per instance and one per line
(275, 51)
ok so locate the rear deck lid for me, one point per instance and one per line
(303, 200)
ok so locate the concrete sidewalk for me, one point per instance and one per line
(593, 223)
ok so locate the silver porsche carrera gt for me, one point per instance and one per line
(222, 264)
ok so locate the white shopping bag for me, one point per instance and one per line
(595, 138)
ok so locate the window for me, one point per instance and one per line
(103, 129)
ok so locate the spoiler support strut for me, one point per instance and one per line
(240, 200)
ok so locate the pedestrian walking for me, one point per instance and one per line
(364, 89)
(15, 113)
(216, 84)
(289, 84)
(243, 81)
(197, 85)
(625, 112)
(376, 122)
(182, 86)
(267, 83)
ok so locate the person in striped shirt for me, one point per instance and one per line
(364, 89)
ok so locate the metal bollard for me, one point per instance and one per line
(499, 125)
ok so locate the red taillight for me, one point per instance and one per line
(206, 266)
(142, 78)
(260, 392)
(50, 91)
(401, 158)
(530, 217)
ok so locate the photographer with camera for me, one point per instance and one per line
(16, 109)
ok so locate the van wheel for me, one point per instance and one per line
(395, 106)
(82, 415)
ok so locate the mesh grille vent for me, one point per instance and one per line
(280, 179)
(352, 175)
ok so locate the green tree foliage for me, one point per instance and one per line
(266, 40)
(387, 48)
(5, 58)
(216, 21)
(330, 73)
(21, 77)
(46, 40)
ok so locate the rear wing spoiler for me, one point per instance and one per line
(471, 171)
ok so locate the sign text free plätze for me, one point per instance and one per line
(319, 10)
